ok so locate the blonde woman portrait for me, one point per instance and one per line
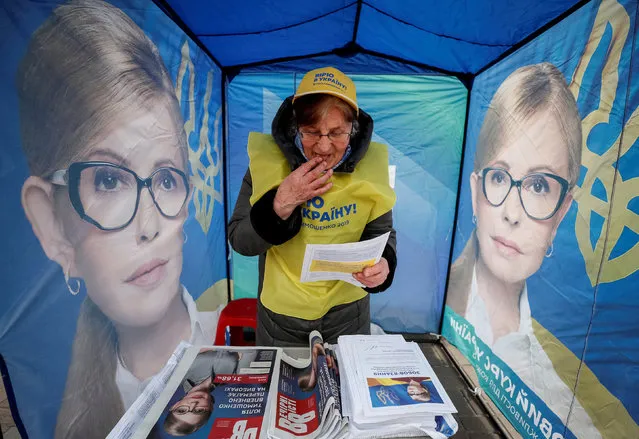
(193, 410)
(526, 164)
(107, 198)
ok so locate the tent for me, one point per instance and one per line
(427, 72)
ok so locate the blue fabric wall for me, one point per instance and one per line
(424, 145)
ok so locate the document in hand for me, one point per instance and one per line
(340, 261)
(390, 389)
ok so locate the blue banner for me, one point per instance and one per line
(544, 265)
(111, 168)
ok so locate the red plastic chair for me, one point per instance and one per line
(238, 314)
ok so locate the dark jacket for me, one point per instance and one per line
(253, 230)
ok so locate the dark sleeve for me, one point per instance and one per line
(376, 228)
(254, 229)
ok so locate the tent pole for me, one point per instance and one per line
(11, 397)
(356, 25)
(225, 188)
(469, 86)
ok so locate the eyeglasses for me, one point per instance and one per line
(183, 409)
(541, 196)
(315, 136)
(107, 195)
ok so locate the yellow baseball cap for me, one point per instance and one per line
(328, 80)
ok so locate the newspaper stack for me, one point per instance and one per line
(206, 392)
(383, 388)
(389, 389)
(308, 403)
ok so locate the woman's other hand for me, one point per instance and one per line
(308, 181)
(373, 276)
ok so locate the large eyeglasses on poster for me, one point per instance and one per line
(540, 294)
(117, 127)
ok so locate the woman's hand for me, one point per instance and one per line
(306, 182)
(373, 276)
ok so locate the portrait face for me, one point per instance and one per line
(330, 148)
(193, 408)
(512, 245)
(418, 392)
(133, 273)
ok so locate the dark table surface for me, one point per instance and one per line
(474, 420)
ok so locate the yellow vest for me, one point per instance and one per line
(338, 216)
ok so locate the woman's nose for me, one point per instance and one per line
(147, 218)
(323, 145)
(512, 208)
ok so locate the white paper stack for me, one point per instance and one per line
(389, 389)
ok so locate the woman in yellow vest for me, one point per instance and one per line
(318, 179)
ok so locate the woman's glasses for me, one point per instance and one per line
(315, 136)
(184, 409)
(107, 195)
(540, 193)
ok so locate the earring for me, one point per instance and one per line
(186, 237)
(552, 248)
(474, 220)
(73, 291)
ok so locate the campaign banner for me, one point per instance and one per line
(541, 291)
(111, 172)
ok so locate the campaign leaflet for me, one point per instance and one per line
(390, 390)
(308, 403)
(400, 380)
(220, 392)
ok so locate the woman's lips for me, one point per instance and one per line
(148, 274)
(508, 248)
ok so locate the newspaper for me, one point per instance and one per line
(308, 396)
(340, 261)
(366, 387)
(132, 419)
(215, 391)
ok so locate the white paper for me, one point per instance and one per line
(134, 416)
(388, 356)
(340, 261)
(403, 362)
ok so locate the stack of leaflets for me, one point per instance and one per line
(383, 387)
(389, 389)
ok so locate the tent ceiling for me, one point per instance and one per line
(451, 35)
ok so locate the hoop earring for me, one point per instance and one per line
(186, 237)
(73, 291)
(552, 248)
(474, 220)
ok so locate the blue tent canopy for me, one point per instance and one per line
(450, 35)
